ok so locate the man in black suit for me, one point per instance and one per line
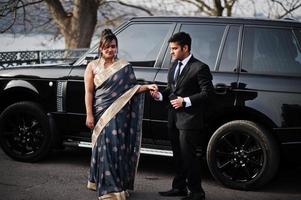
(189, 87)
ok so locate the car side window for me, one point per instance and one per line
(298, 36)
(206, 41)
(141, 43)
(270, 51)
(229, 56)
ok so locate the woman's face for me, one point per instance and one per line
(109, 50)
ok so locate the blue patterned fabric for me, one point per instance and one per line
(116, 152)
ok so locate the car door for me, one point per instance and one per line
(212, 44)
(271, 69)
(144, 45)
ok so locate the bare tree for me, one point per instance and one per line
(75, 19)
(276, 9)
(11, 10)
(213, 7)
(269, 8)
(285, 8)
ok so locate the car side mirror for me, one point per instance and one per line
(90, 57)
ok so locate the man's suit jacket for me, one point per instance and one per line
(195, 82)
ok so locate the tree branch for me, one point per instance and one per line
(11, 24)
(287, 10)
(132, 6)
(280, 3)
(229, 5)
(218, 7)
(202, 6)
(12, 5)
(58, 12)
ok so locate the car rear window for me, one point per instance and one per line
(270, 51)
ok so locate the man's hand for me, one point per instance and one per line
(177, 103)
(155, 94)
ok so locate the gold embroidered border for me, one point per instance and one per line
(114, 196)
(91, 186)
(114, 108)
(105, 73)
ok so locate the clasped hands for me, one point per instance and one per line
(152, 87)
(176, 102)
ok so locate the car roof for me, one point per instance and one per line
(231, 20)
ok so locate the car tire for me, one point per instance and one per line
(242, 155)
(24, 132)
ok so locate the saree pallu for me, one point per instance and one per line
(116, 137)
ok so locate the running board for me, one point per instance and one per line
(149, 151)
(157, 152)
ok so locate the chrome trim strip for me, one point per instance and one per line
(149, 151)
(85, 144)
(290, 143)
(155, 120)
(296, 128)
(157, 152)
(61, 85)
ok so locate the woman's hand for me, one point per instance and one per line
(90, 121)
(149, 87)
(152, 87)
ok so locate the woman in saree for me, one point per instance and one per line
(114, 107)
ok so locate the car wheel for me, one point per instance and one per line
(24, 132)
(242, 155)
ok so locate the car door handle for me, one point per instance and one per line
(221, 88)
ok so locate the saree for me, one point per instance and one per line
(116, 137)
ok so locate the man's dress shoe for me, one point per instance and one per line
(174, 192)
(194, 196)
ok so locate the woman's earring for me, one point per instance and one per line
(99, 51)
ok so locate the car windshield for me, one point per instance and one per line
(83, 59)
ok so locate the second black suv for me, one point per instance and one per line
(254, 119)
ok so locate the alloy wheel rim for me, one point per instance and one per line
(22, 134)
(239, 156)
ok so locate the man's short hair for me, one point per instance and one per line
(182, 39)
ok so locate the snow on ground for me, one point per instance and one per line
(22, 42)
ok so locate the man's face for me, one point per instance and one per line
(177, 52)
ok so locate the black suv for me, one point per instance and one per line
(254, 119)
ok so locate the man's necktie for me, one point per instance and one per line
(178, 71)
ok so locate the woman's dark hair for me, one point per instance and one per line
(107, 36)
(182, 39)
